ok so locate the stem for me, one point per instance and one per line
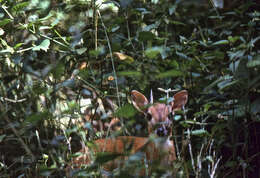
(16, 133)
(111, 57)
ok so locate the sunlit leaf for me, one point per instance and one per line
(81, 51)
(199, 132)
(2, 137)
(4, 22)
(236, 54)
(20, 6)
(253, 41)
(151, 27)
(18, 45)
(156, 50)
(221, 42)
(114, 29)
(1, 31)
(123, 57)
(172, 9)
(218, 3)
(43, 46)
(233, 39)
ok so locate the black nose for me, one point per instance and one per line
(161, 132)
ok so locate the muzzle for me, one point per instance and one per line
(162, 130)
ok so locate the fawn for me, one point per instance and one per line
(160, 149)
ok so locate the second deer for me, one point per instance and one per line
(158, 147)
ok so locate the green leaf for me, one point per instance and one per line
(226, 84)
(177, 117)
(145, 36)
(199, 132)
(221, 42)
(170, 73)
(2, 137)
(253, 41)
(177, 22)
(4, 22)
(182, 55)
(152, 53)
(39, 88)
(95, 53)
(172, 9)
(236, 54)
(232, 39)
(43, 46)
(20, 6)
(123, 57)
(213, 84)
(114, 29)
(81, 51)
(18, 45)
(129, 73)
(155, 51)
(255, 62)
(125, 111)
(148, 28)
(242, 72)
(33, 119)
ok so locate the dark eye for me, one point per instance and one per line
(149, 116)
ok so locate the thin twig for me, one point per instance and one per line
(38, 139)
(215, 8)
(13, 100)
(95, 22)
(26, 49)
(16, 133)
(128, 32)
(111, 57)
(8, 13)
(212, 175)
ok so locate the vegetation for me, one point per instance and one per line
(54, 54)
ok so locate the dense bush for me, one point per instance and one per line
(55, 54)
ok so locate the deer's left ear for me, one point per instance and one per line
(139, 101)
(180, 99)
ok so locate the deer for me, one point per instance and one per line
(158, 146)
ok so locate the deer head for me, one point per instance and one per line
(158, 114)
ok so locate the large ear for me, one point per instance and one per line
(139, 101)
(180, 99)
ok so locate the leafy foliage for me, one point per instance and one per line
(54, 54)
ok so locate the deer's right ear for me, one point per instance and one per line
(180, 99)
(139, 101)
